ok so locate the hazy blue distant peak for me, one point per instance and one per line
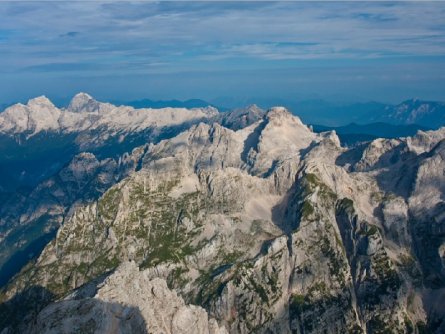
(148, 103)
(426, 113)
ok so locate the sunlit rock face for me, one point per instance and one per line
(84, 113)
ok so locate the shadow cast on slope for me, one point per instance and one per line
(90, 316)
(351, 156)
(19, 259)
(286, 214)
(22, 309)
(397, 168)
(252, 141)
(406, 164)
(29, 312)
(20, 313)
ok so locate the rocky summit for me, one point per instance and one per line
(244, 222)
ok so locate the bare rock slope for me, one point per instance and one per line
(145, 306)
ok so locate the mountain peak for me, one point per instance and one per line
(83, 102)
(278, 110)
(40, 101)
(281, 113)
(83, 95)
(253, 107)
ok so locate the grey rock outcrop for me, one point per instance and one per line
(126, 302)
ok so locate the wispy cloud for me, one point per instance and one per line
(168, 28)
(70, 34)
(103, 38)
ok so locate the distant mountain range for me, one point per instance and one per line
(426, 114)
(429, 114)
(156, 104)
(353, 133)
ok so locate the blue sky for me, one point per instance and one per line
(162, 50)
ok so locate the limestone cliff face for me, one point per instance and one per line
(126, 302)
(270, 228)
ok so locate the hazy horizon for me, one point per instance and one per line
(225, 102)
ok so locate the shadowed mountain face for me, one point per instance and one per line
(247, 222)
(89, 315)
